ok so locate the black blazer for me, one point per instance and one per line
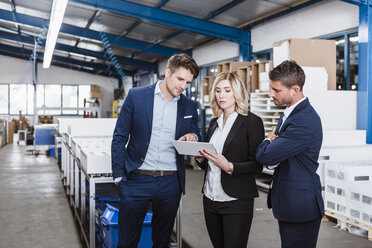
(240, 148)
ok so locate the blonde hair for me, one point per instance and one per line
(239, 91)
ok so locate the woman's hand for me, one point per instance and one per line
(216, 159)
(199, 158)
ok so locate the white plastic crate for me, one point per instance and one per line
(347, 153)
(360, 203)
(348, 190)
(351, 171)
(95, 162)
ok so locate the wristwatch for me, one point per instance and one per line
(230, 170)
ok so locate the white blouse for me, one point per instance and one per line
(212, 187)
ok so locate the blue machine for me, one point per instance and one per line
(44, 135)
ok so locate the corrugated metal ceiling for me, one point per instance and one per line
(83, 16)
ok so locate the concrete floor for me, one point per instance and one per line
(264, 232)
(34, 210)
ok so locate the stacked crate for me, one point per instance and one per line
(232, 65)
(348, 194)
(263, 106)
(253, 74)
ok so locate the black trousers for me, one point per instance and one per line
(302, 234)
(228, 223)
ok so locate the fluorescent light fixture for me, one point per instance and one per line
(56, 17)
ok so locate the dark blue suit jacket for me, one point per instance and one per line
(135, 124)
(296, 190)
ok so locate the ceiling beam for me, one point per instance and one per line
(279, 13)
(356, 2)
(167, 18)
(56, 58)
(138, 22)
(138, 64)
(222, 9)
(90, 21)
(91, 34)
(12, 5)
(210, 15)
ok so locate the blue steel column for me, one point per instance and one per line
(365, 71)
(346, 61)
(245, 47)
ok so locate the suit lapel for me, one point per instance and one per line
(297, 109)
(149, 104)
(234, 131)
(212, 127)
(180, 115)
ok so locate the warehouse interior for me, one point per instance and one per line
(59, 105)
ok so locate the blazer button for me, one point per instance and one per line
(142, 159)
(147, 143)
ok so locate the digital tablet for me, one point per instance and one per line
(192, 148)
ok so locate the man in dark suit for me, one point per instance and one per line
(293, 150)
(145, 165)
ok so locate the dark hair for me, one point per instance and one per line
(289, 73)
(183, 60)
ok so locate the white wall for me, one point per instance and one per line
(162, 66)
(12, 68)
(317, 20)
(217, 51)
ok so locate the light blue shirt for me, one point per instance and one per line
(161, 154)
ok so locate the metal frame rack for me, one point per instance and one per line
(77, 170)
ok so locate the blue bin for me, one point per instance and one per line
(109, 228)
(146, 240)
(52, 151)
(111, 214)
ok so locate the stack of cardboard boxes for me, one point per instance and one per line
(45, 119)
(253, 74)
(95, 91)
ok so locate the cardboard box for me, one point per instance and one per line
(207, 87)
(309, 52)
(231, 65)
(265, 66)
(95, 91)
(10, 132)
(45, 119)
(249, 75)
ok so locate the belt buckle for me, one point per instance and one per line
(154, 174)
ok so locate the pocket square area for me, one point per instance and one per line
(187, 116)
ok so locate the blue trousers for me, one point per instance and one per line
(299, 235)
(136, 195)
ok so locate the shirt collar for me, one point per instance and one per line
(220, 119)
(289, 110)
(158, 92)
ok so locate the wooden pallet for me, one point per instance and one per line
(344, 220)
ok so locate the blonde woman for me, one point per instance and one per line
(229, 182)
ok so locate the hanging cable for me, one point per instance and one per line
(38, 45)
(111, 60)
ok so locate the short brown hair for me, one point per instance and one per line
(183, 60)
(289, 73)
